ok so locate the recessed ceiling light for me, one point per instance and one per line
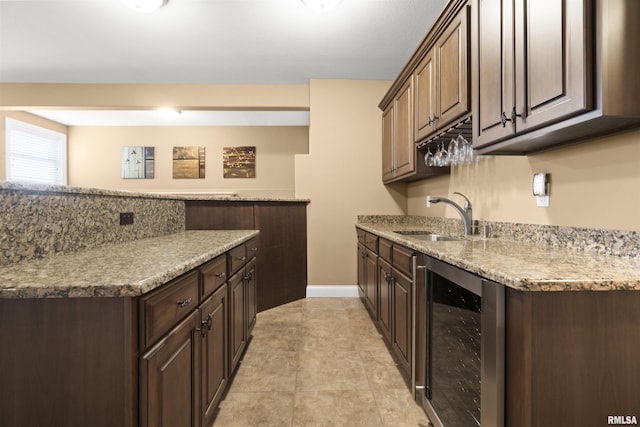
(321, 5)
(144, 6)
(168, 113)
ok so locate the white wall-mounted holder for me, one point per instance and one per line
(540, 187)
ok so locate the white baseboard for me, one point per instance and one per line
(332, 291)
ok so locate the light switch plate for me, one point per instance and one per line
(542, 201)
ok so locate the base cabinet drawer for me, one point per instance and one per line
(402, 259)
(214, 274)
(237, 258)
(162, 309)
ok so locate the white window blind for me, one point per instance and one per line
(35, 154)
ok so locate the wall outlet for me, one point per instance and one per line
(126, 218)
(542, 201)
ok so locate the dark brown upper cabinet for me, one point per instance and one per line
(442, 90)
(551, 73)
(398, 159)
(430, 96)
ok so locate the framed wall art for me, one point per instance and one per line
(188, 162)
(239, 162)
(138, 162)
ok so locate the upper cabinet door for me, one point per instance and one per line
(552, 61)
(452, 74)
(442, 79)
(493, 60)
(388, 136)
(425, 97)
(532, 62)
(404, 146)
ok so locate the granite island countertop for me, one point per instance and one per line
(522, 266)
(170, 195)
(117, 270)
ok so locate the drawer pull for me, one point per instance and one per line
(184, 303)
(221, 275)
(253, 249)
(244, 258)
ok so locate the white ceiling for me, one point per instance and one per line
(209, 41)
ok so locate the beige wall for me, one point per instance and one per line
(95, 157)
(342, 174)
(593, 184)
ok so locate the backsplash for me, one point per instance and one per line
(609, 242)
(40, 221)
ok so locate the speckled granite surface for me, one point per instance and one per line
(519, 262)
(39, 221)
(206, 197)
(63, 189)
(118, 270)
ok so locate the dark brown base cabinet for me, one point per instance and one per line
(571, 358)
(214, 354)
(68, 362)
(168, 386)
(162, 359)
(385, 278)
(282, 242)
(386, 289)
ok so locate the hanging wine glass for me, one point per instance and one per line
(440, 158)
(467, 151)
(453, 155)
(428, 157)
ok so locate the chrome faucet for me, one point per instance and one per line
(466, 213)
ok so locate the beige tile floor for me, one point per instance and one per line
(318, 362)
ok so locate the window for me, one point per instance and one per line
(35, 154)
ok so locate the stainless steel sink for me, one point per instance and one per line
(428, 236)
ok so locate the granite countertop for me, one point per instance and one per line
(118, 270)
(62, 189)
(523, 266)
(214, 197)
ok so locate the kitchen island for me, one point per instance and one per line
(145, 332)
(567, 333)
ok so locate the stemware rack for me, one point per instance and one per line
(463, 128)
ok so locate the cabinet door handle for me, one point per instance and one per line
(209, 321)
(202, 329)
(184, 303)
(504, 119)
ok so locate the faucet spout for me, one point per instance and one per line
(466, 213)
